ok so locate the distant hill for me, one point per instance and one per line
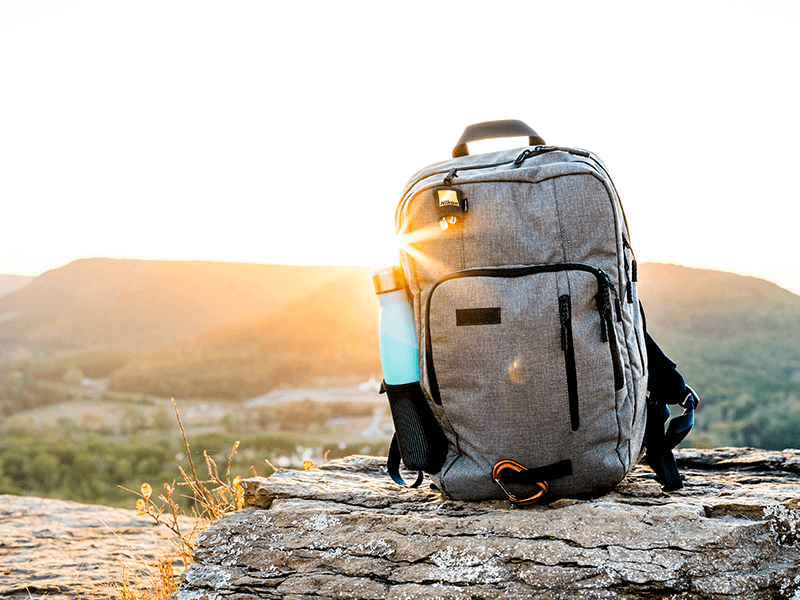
(135, 305)
(330, 332)
(11, 283)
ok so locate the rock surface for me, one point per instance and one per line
(346, 531)
(56, 550)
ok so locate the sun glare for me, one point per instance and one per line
(407, 242)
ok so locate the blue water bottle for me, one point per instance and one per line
(418, 438)
(397, 336)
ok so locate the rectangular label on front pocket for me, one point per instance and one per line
(478, 316)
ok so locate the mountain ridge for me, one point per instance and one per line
(137, 305)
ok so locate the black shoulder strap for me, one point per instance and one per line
(665, 386)
(393, 465)
(660, 444)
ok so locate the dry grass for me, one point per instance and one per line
(211, 498)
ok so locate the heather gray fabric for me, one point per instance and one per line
(542, 248)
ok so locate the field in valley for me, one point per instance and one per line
(86, 446)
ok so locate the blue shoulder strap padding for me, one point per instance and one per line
(393, 465)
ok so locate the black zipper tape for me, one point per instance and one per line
(611, 333)
(565, 315)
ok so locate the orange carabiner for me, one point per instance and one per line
(514, 466)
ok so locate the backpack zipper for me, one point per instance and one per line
(631, 271)
(565, 315)
(527, 153)
(605, 287)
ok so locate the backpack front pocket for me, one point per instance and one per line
(517, 355)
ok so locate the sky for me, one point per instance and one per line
(279, 132)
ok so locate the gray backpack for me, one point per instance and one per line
(533, 355)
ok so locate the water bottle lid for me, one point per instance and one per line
(388, 279)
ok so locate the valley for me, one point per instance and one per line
(273, 356)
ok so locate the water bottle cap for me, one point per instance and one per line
(388, 279)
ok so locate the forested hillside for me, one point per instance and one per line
(737, 341)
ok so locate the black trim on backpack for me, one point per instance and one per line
(562, 468)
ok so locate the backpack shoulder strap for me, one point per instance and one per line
(660, 444)
(665, 386)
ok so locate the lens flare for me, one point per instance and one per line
(407, 243)
(515, 372)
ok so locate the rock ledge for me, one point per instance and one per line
(346, 531)
(61, 550)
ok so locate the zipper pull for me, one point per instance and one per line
(521, 158)
(605, 313)
(634, 273)
(537, 150)
(449, 177)
(607, 280)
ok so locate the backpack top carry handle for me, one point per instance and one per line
(495, 129)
